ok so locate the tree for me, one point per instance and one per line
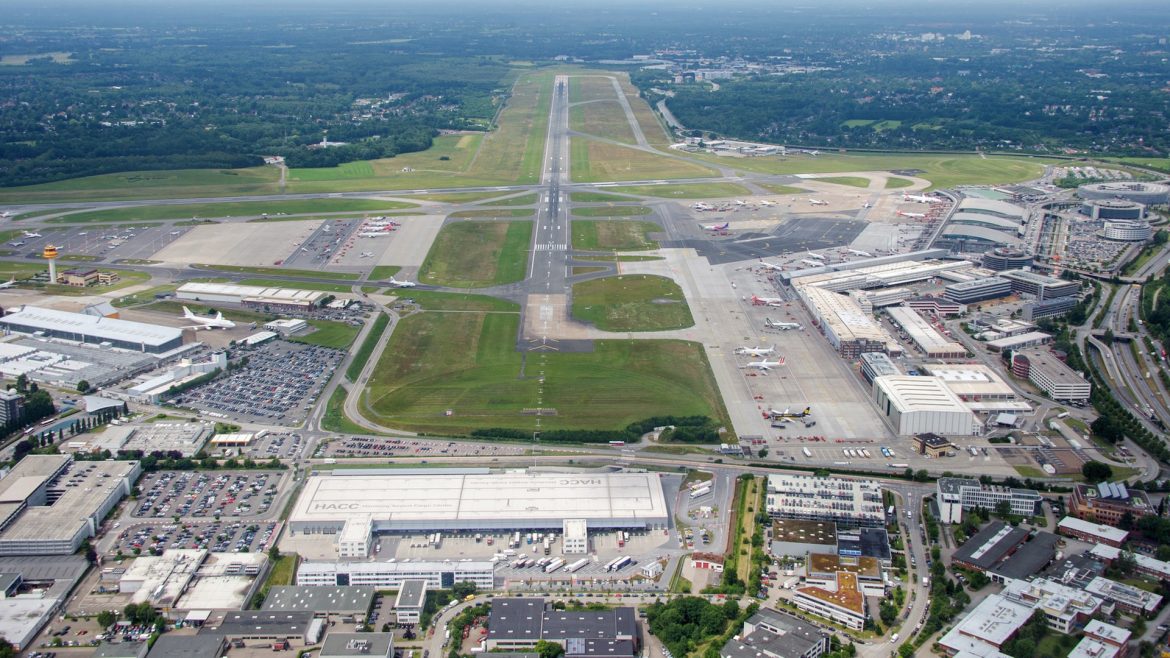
(1105, 427)
(548, 649)
(22, 383)
(83, 387)
(1003, 508)
(1095, 471)
(107, 618)
(463, 589)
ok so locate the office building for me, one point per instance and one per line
(575, 536)
(1129, 599)
(391, 575)
(1102, 640)
(1122, 230)
(410, 601)
(358, 645)
(1113, 209)
(846, 501)
(977, 290)
(958, 494)
(983, 631)
(1019, 341)
(1040, 286)
(1107, 502)
(11, 408)
(1065, 608)
(1048, 308)
(773, 634)
(917, 405)
(843, 604)
(877, 364)
(932, 445)
(1050, 375)
(1147, 194)
(1006, 258)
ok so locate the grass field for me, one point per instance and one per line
(126, 278)
(611, 211)
(478, 254)
(522, 200)
(775, 188)
(602, 118)
(144, 296)
(145, 213)
(178, 183)
(334, 418)
(688, 191)
(502, 212)
(595, 197)
(449, 301)
(337, 335)
(578, 270)
(277, 271)
(631, 303)
(175, 308)
(299, 285)
(513, 151)
(457, 197)
(851, 181)
(942, 170)
(367, 348)
(593, 161)
(895, 183)
(613, 235)
(361, 169)
(383, 272)
(652, 127)
(1162, 164)
(467, 363)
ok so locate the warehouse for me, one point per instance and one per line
(928, 340)
(81, 328)
(850, 330)
(392, 575)
(978, 290)
(978, 386)
(1019, 341)
(1050, 374)
(322, 601)
(444, 500)
(916, 405)
(270, 299)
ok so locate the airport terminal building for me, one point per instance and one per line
(356, 504)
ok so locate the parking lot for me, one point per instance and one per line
(201, 494)
(387, 447)
(215, 536)
(282, 445)
(277, 385)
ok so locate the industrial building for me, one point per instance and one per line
(1006, 258)
(262, 297)
(362, 645)
(1092, 532)
(798, 538)
(1113, 209)
(152, 388)
(988, 627)
(187, 439)
(161, 579)
(1108, 502)
(173, 645)
(357, 504)
(392, 575)
(849, 329)
(868, 300)
(1040, 286)
(877, 364)
(936, 306)
(926, 338)
(773, 634)
(958, 494)
(980, 388)
(978, 290)
(1007, 553)
(1147, 194)
(410, 601)
(50, 504)
(82, 328)
(64, 364)
(845, 501)
(844, 604)
(1123, 230)
(321, 601)
(1019, 341)
(1050, 375)
(519, 623)
(916, 405)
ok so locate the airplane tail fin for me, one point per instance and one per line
(187, 313)
(219, 315)
(807, 410)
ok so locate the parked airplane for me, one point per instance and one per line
(402, 284)
(776, 415)
(771, 266)
(8, 284)
(740, 203)
(373, 234)
(767, 203)
(367, 254)
(817, 202)
(813, 254)
(913, 215)
(755, 351)
(782, 326)
(31, 234)
(767, 301)
(812, 153)
(855, 252)
(18, 243)
(701, 206)
(921, 198)
(717, 227)
(764, 365)
(6, 214)
(203, 322)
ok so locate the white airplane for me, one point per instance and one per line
(921, 198)
(203, 322)
(767, 301)
(6, 214)
(855, 252)
(765, 364)
(782, 326)
(8, 284)
(867, 205)
(740, 203)
(700, 206)
(812, 153)
(771, 266)
(31, 234)
(717, 227)
(367, 254)
(813, 254)
(776, 415)
(402, 284)
(765, 202)
(756, 351)
(817, 202)
(17, 243)
(912, 215)
(373, 234)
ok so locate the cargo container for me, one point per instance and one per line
(807, 452)
(701, 491)
(554, 565)
(578, 565)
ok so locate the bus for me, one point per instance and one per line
(617, 443)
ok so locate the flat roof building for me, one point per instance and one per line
(287, 299)
(933, 445)
(1019, 341)
(1108, 502)
(979, 387)
(50, 504)
(175, 645)
(978, 290)
(916, 405)
(348, 645)
(1101, 640)
(1130, 599)
(1038, 285)
(82, 328)
(1006, 258)
(161, 579)
(1092, 532)
(877, 364)
(355, 601)
(928, 340)
(392, 575)
(846, 501)
(1050, 375)
(1146, 565)
(988, 627)
(1065, 608)
(958, 494)
(516, 623)
(848, 328)
(410, 601)
(773, 634)
(844, 605)
(262, 625)
(798, 538)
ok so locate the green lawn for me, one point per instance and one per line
(342, 171)
(144, 296)
(367, 348)
(638, 302)
(279, 271)
(578, 270)
(478, 254)
(126, 278)
(175, 308)
(1160, 164)
(595, 197)
(467, 363)
(451, 301)
(295, 207)
(458, 197)
(688, 191)
(604, 119)
(593, 161)
(284, 571)
(894, 183)
(591, 235)
(611, 211)
(334, 418)
(775, 188)
(383, 272)
(851, 181)
(487, 212)
(299, 285)
(178, 183)
(522, 200)
(337, 335)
